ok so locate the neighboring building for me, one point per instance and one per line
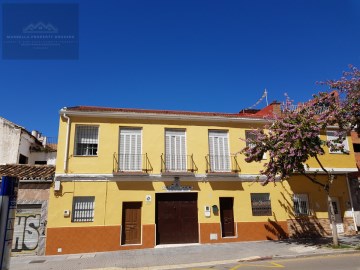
(19, 146)
(354, 178)
(31, 157)
(32, 204)
(131, 178)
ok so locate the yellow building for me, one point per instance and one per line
(131, 178)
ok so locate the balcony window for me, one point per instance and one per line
(219, 151)
(175, 150)
(130, 158)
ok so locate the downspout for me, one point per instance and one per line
(351, 202)
(66, 142)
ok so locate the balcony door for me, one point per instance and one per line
(175, 150)
(130, 149)
(219, 151)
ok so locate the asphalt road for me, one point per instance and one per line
(330, 262)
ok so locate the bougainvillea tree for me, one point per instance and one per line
(293, 137)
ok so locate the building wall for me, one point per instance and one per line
(24, 148)
(31, 219)
(49, 157)
(93, 176)
(153, 134)
(9, 142)
(110, 195)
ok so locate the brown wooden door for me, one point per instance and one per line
(131, 223)
(227, 217)
(176, 218)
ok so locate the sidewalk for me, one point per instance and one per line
(171, 257)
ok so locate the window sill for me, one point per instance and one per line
(85, 155)
(177, 173)
(226, 174)
(131, 173)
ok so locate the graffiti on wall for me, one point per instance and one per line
(27, 231)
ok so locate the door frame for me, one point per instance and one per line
(338, 217)
(198, 215)
(123, 227)
(235, 224)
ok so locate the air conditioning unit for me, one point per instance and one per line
(57, 185)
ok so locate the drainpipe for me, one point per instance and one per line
(67, 142)
(351, 202)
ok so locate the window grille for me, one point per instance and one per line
(175, 150)
(331, 135)
(261, 204)
(83, 209)
(130, 158)
(86, 143)
(301, 204)
(219, 151)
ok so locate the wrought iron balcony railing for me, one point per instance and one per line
(222, 164)
(131, 163)
(178, 163)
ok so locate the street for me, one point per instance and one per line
(329, 262)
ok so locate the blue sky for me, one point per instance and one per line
(185, 55)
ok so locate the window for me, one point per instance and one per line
(261, 204)
(130, 149)
(83, 209)
(23, 159)
(249, 134)
(175, 150)
(219, 151)
(331, 135)
(86, 140)
(356, 147)
(40, 162)
(301, 204)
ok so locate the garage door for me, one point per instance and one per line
(176, 218)
(27, 229)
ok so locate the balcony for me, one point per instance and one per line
(178, 165)
(222, 165)
(131, 164)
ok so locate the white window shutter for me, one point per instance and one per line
(219, 151)
(130, 158)
(175, 150)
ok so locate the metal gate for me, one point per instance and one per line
(27, 229)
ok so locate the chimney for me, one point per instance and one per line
(276, 107)
(34, 133)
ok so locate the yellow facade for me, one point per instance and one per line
(95, 176)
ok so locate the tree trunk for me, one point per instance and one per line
(332, 221)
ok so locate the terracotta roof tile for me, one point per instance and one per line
(28, 172)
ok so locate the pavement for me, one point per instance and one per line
(187, 256)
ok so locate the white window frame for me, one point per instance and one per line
(247, 136)
(129, 140)
(303, 206)
(331, 136)
(79, 129)
(175, 150)
(83, 209)
(219, 151)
